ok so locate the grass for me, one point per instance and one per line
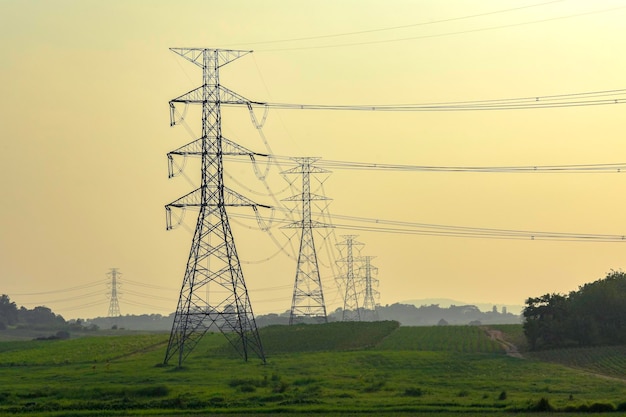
(363, 369)
(332, 336)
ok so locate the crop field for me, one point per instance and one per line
(606, 360)
(333, 369)
(468, 339)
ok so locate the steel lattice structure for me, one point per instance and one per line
(369, 302)
(351, 300)
(213, 292)
(114, 305)
(308, 296)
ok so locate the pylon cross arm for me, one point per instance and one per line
(224, 96)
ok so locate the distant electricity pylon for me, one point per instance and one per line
(114, 305)
(308, 297)
(370, 313)
(351, 298)
(213, 292)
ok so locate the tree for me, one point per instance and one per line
(600, 310)
(40, 316)
(8, 310)
(593, 315)
(545, 320)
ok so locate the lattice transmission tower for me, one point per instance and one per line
(370, 313)
(307, 302)
(114, 305)
(213, 292)
(351, 296)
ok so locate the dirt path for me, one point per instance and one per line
(509, 348)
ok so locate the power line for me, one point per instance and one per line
(431, 229)
(401, 227)
(62, 290)
(461, 32)
(593, 98)
(385, 29)
(573, 168)
(74, 298)
(612, 167)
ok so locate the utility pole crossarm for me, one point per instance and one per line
(223, 96)
(229, 147)
(196, 55)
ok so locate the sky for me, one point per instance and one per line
(85, 129)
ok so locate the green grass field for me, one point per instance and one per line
(334, 369)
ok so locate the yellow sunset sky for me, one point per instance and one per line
(84, 133)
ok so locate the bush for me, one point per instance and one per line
(63, 335)
(542, 405)
(601, 408)
(247, 388)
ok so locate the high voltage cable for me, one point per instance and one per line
(476, 232)
(143, 284)
(615, 167)
(437, 35)
(575, 168)
(570, 237)
(62, 290)
(76, 297)
(360, 32)
(430, 229)
(593, 98)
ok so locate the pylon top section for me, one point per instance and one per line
(306, 165)
(349, 240)
(195, 55)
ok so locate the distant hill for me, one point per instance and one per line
(433, 314)
(447, 302)
(411, 313)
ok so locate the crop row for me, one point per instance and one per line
(466, 339)
(606, 360)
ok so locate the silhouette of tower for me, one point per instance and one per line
(308, 297)
(369, 302)
(351, 299)
(213, 292)
(114, 305)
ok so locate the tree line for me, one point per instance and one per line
(39, 317)
(593, 315)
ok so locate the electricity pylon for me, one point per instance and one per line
(213, 292)
(308, 297)
(114, 305)
(369, 302)
(351, 300)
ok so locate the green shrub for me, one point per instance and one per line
(542, 405)
(601, 408)
(247, 388)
